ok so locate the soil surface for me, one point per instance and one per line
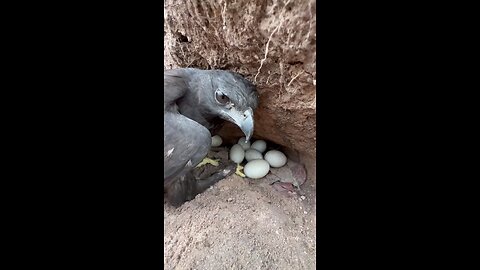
(241, 223)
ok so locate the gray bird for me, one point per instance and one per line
(196, 104)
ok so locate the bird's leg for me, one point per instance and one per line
(204, 184)
(187, 186)
(238, 171)
(207, 160)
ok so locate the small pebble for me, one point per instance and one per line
(302, 197)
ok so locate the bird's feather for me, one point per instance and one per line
(185, 145)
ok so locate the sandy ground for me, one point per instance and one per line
(241, 223)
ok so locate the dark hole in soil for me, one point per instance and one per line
(182, 38)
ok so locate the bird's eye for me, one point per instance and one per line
(221, 98)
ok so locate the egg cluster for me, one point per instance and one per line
(258, 164)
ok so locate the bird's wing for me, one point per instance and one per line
(174, 86)
(185, 144)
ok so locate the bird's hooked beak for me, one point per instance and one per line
(244, 120)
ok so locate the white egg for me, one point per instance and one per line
(216, 141)
(252, 154)
(237, 154)
(259, 145)
(256, 168)
(275, 158)
(245, 145)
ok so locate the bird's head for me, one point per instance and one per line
(233, 98)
